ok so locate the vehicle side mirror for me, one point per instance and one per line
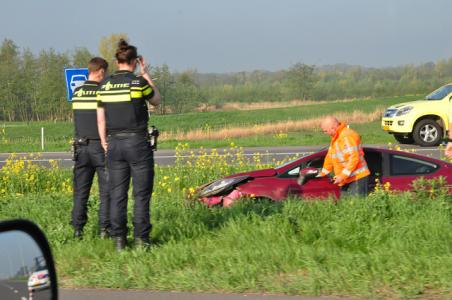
(307, 174)
(27, 270)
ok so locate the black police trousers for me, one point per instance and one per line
(90, 159)
(129, 156)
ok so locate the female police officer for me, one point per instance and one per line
(122, 121)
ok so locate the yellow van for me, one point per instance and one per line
(423, 122)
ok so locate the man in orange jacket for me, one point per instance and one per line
(346, 158)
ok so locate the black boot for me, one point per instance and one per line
(142, 243)
(78, 234)
(120, 243)
(104, 233)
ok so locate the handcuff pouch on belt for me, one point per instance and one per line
(75, 143)
(153, 134)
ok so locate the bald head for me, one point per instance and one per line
(329, 125)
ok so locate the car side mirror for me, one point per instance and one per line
(307, 174)
(27, 269)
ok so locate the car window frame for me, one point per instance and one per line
(389, 162)
(302, 165)
(385, 163)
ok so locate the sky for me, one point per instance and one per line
(241, 35)
(17, 249)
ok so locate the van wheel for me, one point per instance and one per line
(427, 133)
(404, 138)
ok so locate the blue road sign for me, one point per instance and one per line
(74, 79)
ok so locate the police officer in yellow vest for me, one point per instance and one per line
(123, 121)
(89, 155)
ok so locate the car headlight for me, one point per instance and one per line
(390, 112)
(404, 110)
(221, 185)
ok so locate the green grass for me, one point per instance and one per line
(25, 137)
(220, 119)
(371, 133)
(384, 246)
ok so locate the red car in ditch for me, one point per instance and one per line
(395, 168)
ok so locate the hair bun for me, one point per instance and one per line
(125, 53)
(122, 44)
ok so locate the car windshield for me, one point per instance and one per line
(440, 93)
(287, 163)
(303, 154)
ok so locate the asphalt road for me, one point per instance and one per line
(104, 294)
(13, 290)
(167, 157)
(18, 290)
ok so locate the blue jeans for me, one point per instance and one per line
(356, 188)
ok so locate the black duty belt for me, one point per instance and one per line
(127, 134)
(84, 141)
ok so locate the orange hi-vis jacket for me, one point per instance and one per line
(345, 156)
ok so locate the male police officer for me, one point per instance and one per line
(123, 114)
(89, 155)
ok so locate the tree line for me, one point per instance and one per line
(32, 86)
(309, 82)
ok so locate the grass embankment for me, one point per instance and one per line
(269, 127)
(386, 246)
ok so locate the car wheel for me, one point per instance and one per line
(404, 138)
(427, 133)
